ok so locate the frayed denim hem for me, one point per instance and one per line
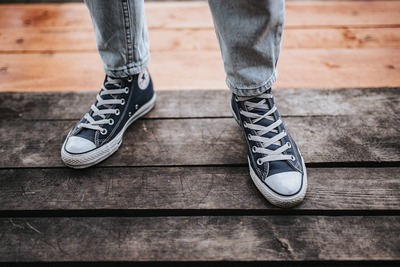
(240, 91)
(127, 70)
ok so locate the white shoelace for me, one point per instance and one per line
(260, 130)
(108, 103)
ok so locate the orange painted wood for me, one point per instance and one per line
(298, 68)
(197, 15)
(341, 38)
(56, 39)
(327, 44)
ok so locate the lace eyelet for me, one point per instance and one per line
(292, 158)
(103, 131)
(245, 124)
(289, 145)
(126, 90)
(79, 126)
(249, 136)
(254, 149)
(111, 122)
(117, 112)
(259, 162)
(236, 99)
(122, 101)
(130, 78)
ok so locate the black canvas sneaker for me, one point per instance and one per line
(99, 133)
(276, 165)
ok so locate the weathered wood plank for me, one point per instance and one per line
(207, 141)
(61, 40)
(190, 188)
(269, 238)
(298, 68)
(190, 104)
(196, 14)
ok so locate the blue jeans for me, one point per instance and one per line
(249, 34)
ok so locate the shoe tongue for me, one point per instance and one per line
(267, 122)
(108, 83)
(89, 134)
(109, 86)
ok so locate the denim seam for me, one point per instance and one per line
(128, 30)
(251, 91)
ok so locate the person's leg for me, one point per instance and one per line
(121, 34)
(249, 33)
(127, 92)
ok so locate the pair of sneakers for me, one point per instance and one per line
(276, 165)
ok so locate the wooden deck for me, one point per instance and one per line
(178, 192)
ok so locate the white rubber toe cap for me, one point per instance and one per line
(286, 183)
(77, 144)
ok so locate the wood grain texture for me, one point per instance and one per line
(207, 141)
(201, 189)
(317, 52)
(264, 238)
(190, 104)
(178, 189)
(298, 68)
(83, 40)
(196, 14)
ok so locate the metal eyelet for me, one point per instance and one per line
(289, 145)
(236, 99)
(111, 122)
(292, 158)
(103, 131)
(122, 101)
(126, 90)
(254, 149)
(130, 78)
(249, 136)
(259, 162)
(245, 124)
(117, 112)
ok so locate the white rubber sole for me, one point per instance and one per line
(80, 161)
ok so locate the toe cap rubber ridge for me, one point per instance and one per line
(76, 145)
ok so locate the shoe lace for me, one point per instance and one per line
(257, 112)
(105, 105)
